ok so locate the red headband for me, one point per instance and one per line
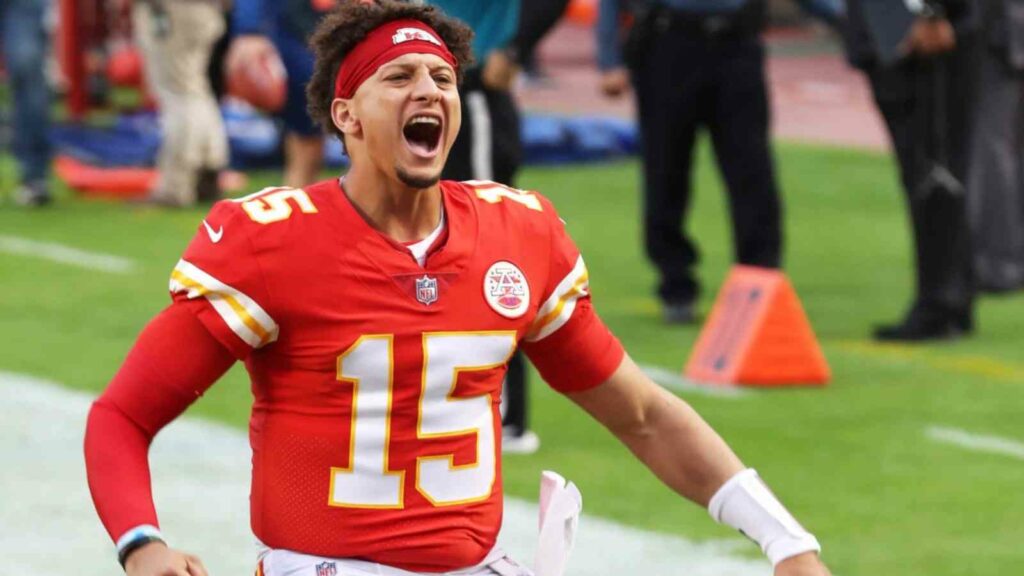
(385, 43)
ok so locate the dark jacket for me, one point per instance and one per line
(860, 47)
(1002, 24)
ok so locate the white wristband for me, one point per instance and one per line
(745, 503)
(135, 538)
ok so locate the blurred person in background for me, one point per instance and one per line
(925, 99)
(283, 26)
(693, 64)
(24, 50)
(176, 38)
(995, 200)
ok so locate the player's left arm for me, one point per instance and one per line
(671, 439)
(577, 355)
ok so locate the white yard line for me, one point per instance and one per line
(977, 442)
(678, 383)
(65, 255)
(201, 485)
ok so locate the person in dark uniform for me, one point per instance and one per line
(995, 202)
(925, 100)
(692, 64)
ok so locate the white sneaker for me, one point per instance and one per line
(519, 442)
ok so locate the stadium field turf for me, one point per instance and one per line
(857, 461)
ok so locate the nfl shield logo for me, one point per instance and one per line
(326, 569)
(426, 290)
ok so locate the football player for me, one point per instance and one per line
(375, 314)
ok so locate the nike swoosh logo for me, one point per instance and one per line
(215, 236)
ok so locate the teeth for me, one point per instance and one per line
(425, 120)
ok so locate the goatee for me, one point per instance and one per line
(417, 182)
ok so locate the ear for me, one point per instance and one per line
(344, 117)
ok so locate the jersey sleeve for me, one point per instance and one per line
(219, 278)
(568, 343)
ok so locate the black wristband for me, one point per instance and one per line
(123, 553)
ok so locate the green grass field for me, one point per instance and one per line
(852, 460)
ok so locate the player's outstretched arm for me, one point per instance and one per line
(667, 435)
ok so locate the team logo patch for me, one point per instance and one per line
(426, 290)
(506, 289)
(409, 34)
(327, 569)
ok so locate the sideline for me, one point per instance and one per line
(63, 254)
(976, 442)
(201, 471)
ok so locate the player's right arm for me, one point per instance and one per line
(173, 362)
(215, 319)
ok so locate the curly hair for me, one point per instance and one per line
(348, 24)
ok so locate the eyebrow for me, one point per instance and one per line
(443, 67)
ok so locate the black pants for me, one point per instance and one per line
(488, 148)
(926, 106)
(684, 82)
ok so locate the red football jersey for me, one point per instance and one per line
(375, 427)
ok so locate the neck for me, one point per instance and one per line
(404, 214)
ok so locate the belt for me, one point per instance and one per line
(727, 26)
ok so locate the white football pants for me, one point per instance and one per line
(287, 563)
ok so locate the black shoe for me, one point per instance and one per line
(923, 324)
(679, 313)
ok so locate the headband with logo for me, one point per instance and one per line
(385, 43)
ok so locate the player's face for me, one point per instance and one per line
(410, 114)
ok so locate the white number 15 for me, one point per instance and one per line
(368, 365)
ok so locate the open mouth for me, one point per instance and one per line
(423, 134)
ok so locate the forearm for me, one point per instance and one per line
(117, 469)
(681, 449)
(664, 432)
(677, 445)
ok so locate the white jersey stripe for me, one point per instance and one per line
(242, 314)
(558, 308)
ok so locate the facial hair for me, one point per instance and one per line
(417, 182)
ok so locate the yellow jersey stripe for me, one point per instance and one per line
(242, 314)
(558, 308)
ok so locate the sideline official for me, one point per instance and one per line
(693, 64)
(925, 98)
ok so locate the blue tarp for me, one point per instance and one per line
(255, 140)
